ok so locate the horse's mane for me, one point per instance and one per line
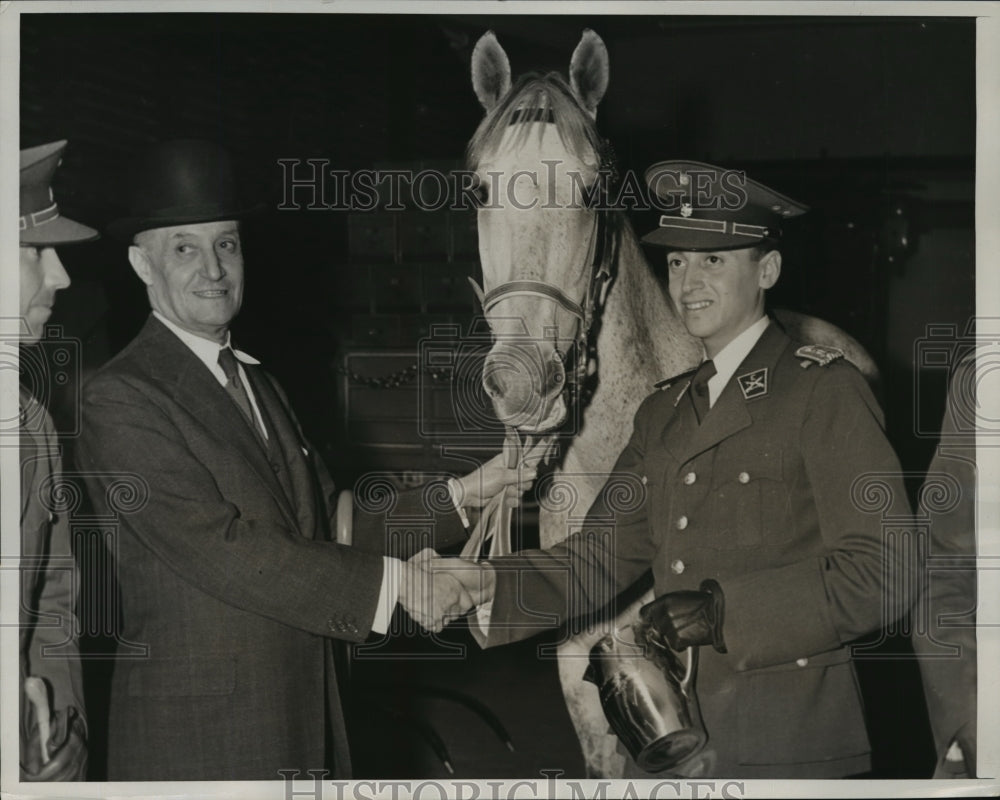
(532, 91)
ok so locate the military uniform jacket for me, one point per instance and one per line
(769, 497)
(228, 579)
(49, 583)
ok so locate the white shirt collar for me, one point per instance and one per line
(729, 358)
(206, 350)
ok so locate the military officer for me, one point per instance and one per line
(53, 728)
(766, 474)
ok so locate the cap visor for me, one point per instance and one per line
(59, 230)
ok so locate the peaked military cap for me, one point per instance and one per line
(705, 207)
(39, 222)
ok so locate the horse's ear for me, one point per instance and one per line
(588, 71)
(490, 71)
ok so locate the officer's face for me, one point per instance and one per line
(719, 295)
(193, 274)
(42, 275)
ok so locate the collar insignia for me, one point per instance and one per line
(753, 384)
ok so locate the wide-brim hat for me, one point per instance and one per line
(182, 181)
(705, 207)
(39, 222)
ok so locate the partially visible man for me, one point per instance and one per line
(227, 569)
(948, 586)
(761, 475)
(53, 721)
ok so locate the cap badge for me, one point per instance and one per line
(686, 210)
(818, 354)
(753, 384)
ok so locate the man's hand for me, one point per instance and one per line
(66, 749)
(479, 486)
(684, 619)
(960, 759)
(477, 578)
(431, 597)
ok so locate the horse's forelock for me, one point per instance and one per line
(575, 127)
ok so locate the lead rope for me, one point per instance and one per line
(493, 527)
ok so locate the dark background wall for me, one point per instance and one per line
(869, 121)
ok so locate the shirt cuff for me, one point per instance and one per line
(388, 595)
(455, 490)
(479, 624)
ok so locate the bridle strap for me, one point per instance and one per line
(536, 289)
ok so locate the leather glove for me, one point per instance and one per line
(67, 749)
(685, 618)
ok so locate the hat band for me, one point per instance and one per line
(36, 218)
(726, 227)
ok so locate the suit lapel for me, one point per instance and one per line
(730, 414)
(197, 390)
(288, 446)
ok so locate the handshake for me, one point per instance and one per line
(435, 590)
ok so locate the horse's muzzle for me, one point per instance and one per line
(525, 387)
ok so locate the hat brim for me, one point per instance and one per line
(694, 241)
(127, 227)
(58, 230)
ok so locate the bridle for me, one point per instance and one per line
(602, 257)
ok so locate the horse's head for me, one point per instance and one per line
(538, 161)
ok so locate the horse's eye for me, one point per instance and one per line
(481, 194)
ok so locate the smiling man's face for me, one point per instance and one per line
(718, 295)
(193, 274)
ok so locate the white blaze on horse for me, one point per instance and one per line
(572, 303)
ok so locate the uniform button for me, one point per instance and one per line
(744, 477)
(645, 480)
(677, 566)
(801, 661)
(682, 523)
(690, 478)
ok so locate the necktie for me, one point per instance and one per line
(699, 388)
(235, 387)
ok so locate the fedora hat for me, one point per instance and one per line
(182, 181)
(39, 221)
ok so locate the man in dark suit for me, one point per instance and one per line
(53, 721)
(763, 476)
(227, 570)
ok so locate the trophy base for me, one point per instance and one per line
(670, 750)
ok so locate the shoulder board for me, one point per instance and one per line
(818, 354)
(667, 382)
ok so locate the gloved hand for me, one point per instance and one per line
(960, 759)
(685, 618)
(67, 749)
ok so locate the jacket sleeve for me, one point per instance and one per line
(539, 589)
(946, 647)
(232, 547)
(48, 614)
(855, 585)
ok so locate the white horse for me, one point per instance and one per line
(564, 279)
